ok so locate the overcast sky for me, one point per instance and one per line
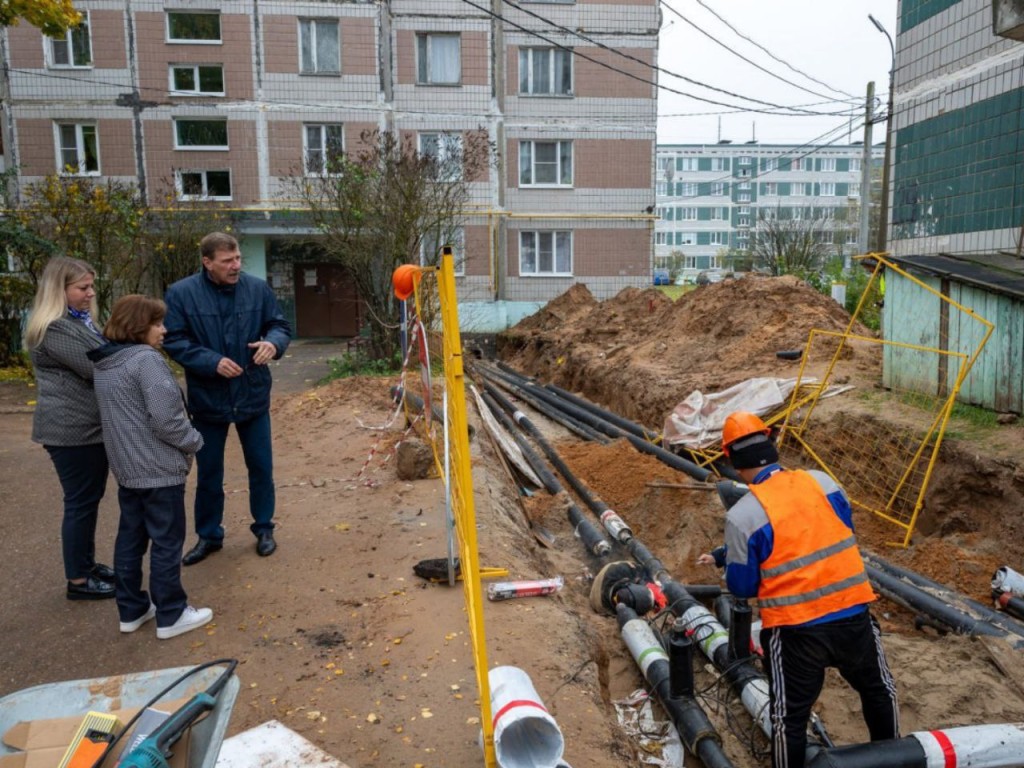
(833, 41)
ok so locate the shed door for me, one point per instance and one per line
(326, 301)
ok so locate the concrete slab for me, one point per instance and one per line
(273, 745)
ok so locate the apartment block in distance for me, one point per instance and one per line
(957, 194)
(229, 101)
(711, 198)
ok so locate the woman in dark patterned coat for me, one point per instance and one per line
(67, 419)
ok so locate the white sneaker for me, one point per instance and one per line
(191, 618)
(131, 626)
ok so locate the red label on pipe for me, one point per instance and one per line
(948, 752)
(512, 705)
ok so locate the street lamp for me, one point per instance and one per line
(883, 208)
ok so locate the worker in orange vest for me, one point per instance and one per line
(790, 543)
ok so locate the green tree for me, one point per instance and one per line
(53, 17)
(376, 207)
(99, 222)
(788, 246)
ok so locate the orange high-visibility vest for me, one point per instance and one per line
(815, 566)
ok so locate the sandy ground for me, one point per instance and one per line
(339, 640)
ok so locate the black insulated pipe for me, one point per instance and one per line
(680, 660)
(630, 426)
(1010, 603)
(892, 753)
(739, 630)
(588, 533)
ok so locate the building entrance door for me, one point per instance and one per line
(326, 301)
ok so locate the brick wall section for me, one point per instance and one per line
(36, 147)
(473, 52)
(484, 173)
(25, 44)
(281, 44)
(235, 53)
(595, 252)
(162, 160)
(117, 147)
(600, 163)
(591, 79)
(286, 142)
(109, 47)
(478, 250)
(358, 47)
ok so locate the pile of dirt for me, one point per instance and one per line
(639, 353)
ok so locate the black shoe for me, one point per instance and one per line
(265, 544)
(103, 573)
(91, 589)
(202, 550)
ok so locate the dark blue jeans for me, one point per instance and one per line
(82, 470)
(154, 515)
(254, 435)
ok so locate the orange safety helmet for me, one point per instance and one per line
(403, 279)
(740, 424)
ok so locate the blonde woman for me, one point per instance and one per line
(67, 420)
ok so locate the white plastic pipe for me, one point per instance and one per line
(978, 746)
(1008, 580)
(525, 734)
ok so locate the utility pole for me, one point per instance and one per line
(883, 208)
(865, 172)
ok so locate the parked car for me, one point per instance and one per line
(662, 277)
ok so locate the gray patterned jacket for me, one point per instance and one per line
(150, 440)
(66, 411)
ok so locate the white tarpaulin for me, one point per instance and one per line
(697, 421)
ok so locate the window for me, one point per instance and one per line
(319, 47)
(686, 163)
(545, 253)
(769, 164)
(686, 214)
(798, 164)
(545, 71)
(686, 238)
(719, 164)
(203, 185)
(828, 189)
(190, 27)
(661, 189)
(430, 248)
(719, 214)
(743, 197)
(438, 59)
(445, 150)
(324, 146)
(718, 238)
(659, 238)
(78, 149)
(744, 185)
(74, 49)
(743, 210)
(719, 188)
(854, 191)
(743, 173)
(743, 221)
(800, 189)
(798, 214)
(687, 189)
(855, 164)
(201, 134)
(828, 164)
(665, 164)
(197, 80)
(545, 163)
(770, 188)
(828, 237)
(743, 161)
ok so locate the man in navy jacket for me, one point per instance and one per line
(223, 327)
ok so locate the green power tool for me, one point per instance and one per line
(154, 751)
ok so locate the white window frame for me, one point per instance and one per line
(81, 129)
(686, 164)
(770, 164)
(743, 186)
(743, 221)
(448, 143)
(719, 189)
(313, 26)
(828, 165)
(743, 210)
(828, 189)
(797, 164)
(686, 214)
(686, 238)
(179, 187)
(719, 164)
(719, 213)
(424, 58)
(718, 238)
(688, 189)
(853, 190)
(855, 165)
(200, 147)
(197, 91)
(322, 148)
(558, 59)
(797, 214)
(743, 173)
(743, 197)
(661, 189)
(528, 173)
(770, 188)
(801, 189)
(553, 234)
(68, 40)
(456, 239)
(192, 41)
(743, 160)
(659, 238)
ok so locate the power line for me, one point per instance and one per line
(718, 16)
(655, 67)
(741, 56)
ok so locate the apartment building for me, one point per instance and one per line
(229, 101)
(957, 193)
(711, 198)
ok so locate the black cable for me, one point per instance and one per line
(654, 67)
(212, 690)
(750, 40)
